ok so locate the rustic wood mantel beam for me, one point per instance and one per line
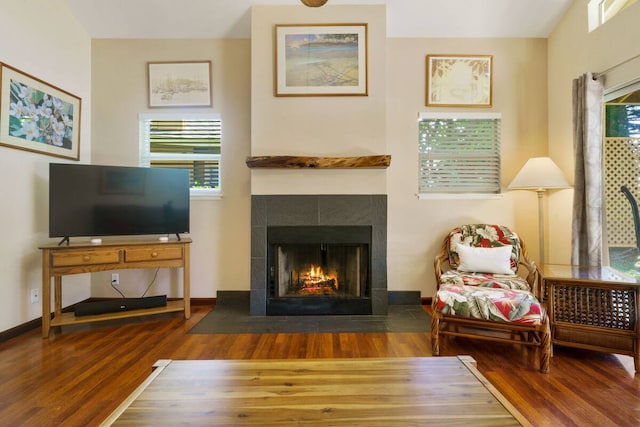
(310, 162)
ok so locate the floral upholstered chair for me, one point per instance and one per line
(481, 295)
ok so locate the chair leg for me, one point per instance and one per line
(435, 334)
(545, 347)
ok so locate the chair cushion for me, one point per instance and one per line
(485, 236)
(485, 280)
(497, 304)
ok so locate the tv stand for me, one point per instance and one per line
(78, 258)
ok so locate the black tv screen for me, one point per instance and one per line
(92, 200)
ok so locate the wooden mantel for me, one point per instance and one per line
(310, 162)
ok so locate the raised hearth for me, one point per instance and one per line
(345, 234)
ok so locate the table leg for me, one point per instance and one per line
(57, 296)
(46, 295)
(186, 283)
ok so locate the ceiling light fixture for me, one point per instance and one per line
(313, 3)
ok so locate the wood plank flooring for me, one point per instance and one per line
(78, 376)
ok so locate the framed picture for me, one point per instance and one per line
(321, 60)
(459, 80)
(36, 116)
(179, 84)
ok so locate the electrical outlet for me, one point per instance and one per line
(115, 279)
(35, 296)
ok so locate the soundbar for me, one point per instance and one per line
(122, 304)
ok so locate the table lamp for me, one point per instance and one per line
(539, 174)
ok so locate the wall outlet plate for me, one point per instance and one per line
(35, 296)
(115, 278)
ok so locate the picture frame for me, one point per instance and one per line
(179, 84)
(459, 81)
(321, 60)
(37, 116)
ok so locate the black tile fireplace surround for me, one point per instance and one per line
(323, 211)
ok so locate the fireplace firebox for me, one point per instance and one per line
(319, 270)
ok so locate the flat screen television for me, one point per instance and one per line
(93, 200)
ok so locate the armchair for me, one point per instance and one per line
(481, 295)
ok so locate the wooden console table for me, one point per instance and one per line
(593, 308)
(77, 258)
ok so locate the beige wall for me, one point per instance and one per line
(317, 125)
(219, 228)
(42, 39)
(417, 227)
(256, 122)
(572, 52)
(384, 122)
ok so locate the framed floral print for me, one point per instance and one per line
(37, 116)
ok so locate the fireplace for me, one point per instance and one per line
(318, 254)
(318, 270)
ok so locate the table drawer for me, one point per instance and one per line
(152, 254)
(84, 257)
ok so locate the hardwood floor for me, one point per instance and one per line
(78, 376)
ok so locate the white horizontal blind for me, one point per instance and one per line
(192, 143)
(459, 153)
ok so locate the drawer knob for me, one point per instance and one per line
(86, 258)
(154, 254)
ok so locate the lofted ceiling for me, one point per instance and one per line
(232, 18)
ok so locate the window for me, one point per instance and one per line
(459, 153)
(190, 142)
(622, 167)
(600, 11)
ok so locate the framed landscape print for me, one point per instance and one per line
(179, 84)
(36, 116)
(459, 80)
(321, 60)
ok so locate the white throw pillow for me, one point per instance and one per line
(495, 260)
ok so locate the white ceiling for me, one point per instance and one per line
(231, 18)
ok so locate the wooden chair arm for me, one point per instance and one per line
(532, 270)
(440, 260)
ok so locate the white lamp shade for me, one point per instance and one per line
(539, 173)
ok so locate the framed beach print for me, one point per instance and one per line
(459, 80)
(37, 116)
(321, 60)
(179, 84)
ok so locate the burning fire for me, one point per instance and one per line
(317, 279)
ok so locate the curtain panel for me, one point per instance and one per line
(588, 194)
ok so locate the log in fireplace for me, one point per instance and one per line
(319, 270)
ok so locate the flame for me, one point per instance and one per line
(316, 275)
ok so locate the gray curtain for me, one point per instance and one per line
(586, 239)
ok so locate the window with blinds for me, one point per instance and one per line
(459, 153)
(190, 142)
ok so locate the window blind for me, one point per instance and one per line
(459, 153)
(188, 143)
